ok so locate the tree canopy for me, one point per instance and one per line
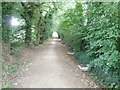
(90, 29)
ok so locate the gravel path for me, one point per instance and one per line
(52, 67)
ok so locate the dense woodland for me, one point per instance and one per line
(90, 29)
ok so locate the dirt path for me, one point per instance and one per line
(51, 67)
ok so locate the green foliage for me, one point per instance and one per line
(91, 32)
(7, 70)
(97, 41)
(28, 15)
(16, 47)
(34, 19)
(7, 84)
(83, 57)
(72, 28)
(6, 17)
(11, 67)
(103, 37)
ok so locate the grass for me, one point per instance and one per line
(7, 84)
(7, 70)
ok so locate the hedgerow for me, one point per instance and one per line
(93, 32)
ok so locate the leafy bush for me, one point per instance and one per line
(95, 41)
(83, 57)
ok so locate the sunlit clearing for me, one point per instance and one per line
(55, 35)
(14, 22)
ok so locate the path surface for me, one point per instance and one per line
(52, 67)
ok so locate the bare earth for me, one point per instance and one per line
(51, 67)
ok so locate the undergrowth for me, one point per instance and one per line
(8, 69)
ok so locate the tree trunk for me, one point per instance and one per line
(28, 34)
(38, 31)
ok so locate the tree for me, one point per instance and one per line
(27, 14)
(6, 27)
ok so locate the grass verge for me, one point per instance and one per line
(8, 71)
